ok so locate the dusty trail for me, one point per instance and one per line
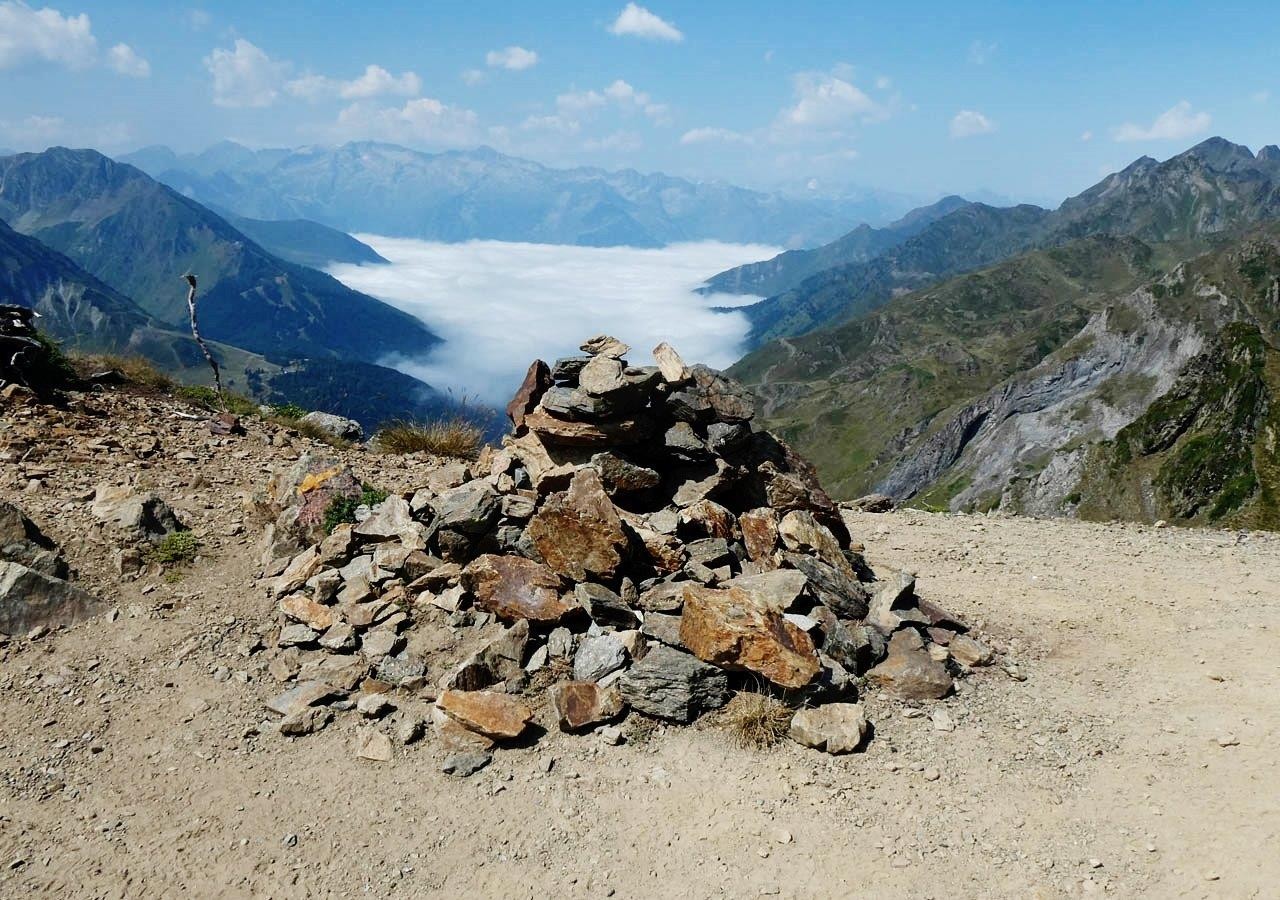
(130, 766)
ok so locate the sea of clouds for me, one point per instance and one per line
(500, 305)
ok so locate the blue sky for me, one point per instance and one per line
(1031, 100)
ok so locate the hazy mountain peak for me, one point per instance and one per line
(1218, 153)
(1269, 153)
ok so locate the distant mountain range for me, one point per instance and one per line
(99, 248)
(483, 194)
(1114, 358)
(1207, 189)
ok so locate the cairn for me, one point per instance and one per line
(636, 544)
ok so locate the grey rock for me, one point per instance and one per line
(602, 376)
(725, 437)
(31, 599)
(497, 661)
(597, 657)
(662, 627)
(145, 514)
(296, 635)
(673, 685)
(306, 721)
(605, 345)
(402, 669)
(466, 762)
(834, 589)
(340, 638)
(566, 369)
(777, 589)
(560, 643)
(604, 606)
(619, 475)
(337, 426)
(22, 541)
(469, 508)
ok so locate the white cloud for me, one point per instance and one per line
(40, 132)
(472, 77)
(714, 135)
(884, 82)
(637, 21)
(124, 60)
(244, 76)
(44, 35)
(969, 122)
(516, 59)
(375, 82)
(1174, 124)
(1260, 96)
(198, 19)
(980, 52)
(548, 299)
(1086, 136)
(826, 101)
(768, 56)
(618, 141)
(421, 122)
(620, 95)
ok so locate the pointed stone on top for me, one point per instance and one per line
(604, 345)
(670, 364)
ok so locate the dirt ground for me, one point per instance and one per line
(1127, 744)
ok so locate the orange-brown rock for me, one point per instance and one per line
(578, 532)
(513, 587)
(535, 384)
(760, 534)
(708, 519)
(585, 434)
(581, 704)
(730, 628)
(302, 608)
(498, 716)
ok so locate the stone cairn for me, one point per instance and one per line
(640, 546)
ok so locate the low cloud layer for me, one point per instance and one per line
(500, 305)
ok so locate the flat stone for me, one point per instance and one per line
(465, 763)
(301, 696)
(578, 532)
(390, 518)
(706, 518)
(300, 570)
(664, 628)
(621, 476)
(670, 684)
(306, 721)
(302, 608)
(497, 716)
(777, 589)
(336, 426)
(340, 638)
(908, 672)
(732, 629)
(566, 369)
(583, 704)
(517, 588)
(731, 401)
(296, 635)
(372, 744)
(373, 706)
(379, 643)
(597, 657)
(553, 431)
(402, 669)
(872, 503)
(605, 345)
(141, 512)
(833, 728)
(683, 441)
(665, 598)
(834, 589)
(469, 508)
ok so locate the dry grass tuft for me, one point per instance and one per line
(757, 720)
(137, 369)
(456, 438)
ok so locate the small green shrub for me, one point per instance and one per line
(207, 398)
(457, 438)
(290, 412)
(342, 510)
(178, 547)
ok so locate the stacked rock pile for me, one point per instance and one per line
(635, 544)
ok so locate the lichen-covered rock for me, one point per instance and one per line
(583, 704)
(516, 588)
(735, 630)
(578, 533)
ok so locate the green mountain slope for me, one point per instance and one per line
(305, 243)
(1211, 188)
(789, 269)
(139, 236)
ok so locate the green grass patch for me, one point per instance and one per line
(342, 510)
(178, 547)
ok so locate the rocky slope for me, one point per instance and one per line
(1141, 396)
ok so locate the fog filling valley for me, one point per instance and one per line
(500, 305)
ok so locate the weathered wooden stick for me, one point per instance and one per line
(195, 332)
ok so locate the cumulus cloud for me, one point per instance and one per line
(244, 76)
(619, 95)
(517, 59)
(126, 61)
(826, 101)
(714, 135)
(421, 122)
(44, 35)
(1175, 124)
(375, 82)
(548, 299)
(1086, 136)
(970, 122)
(636, 21)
